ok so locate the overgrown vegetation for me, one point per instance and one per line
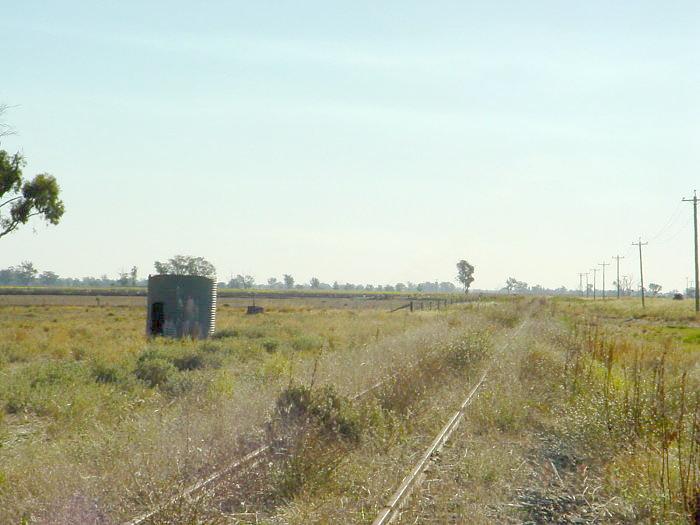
(589, 413)
(86, 401)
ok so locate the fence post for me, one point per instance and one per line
(411, 307)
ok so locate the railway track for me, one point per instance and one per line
(392, 508)
(247, 461)
(389, 511)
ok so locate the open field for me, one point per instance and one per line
(270, 303)
(281, 293)
(590, 413)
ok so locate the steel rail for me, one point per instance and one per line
(244, 461)
(239, 463)
(389, 512)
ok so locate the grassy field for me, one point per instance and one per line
(592, 411)
(98, 419)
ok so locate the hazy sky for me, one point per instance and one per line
(359, 141)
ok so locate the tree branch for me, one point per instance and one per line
(9, 228)
(13, 225)
(10, 200)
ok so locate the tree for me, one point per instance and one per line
(447, 287)
(186, 265)
(314, 282)
(465, 274)
(123, 278)
(654, 288)
(288, 281)
(26, 273)
(248, 281)
(336, 286)
(48, 278)
(25, 198)
(272, 282)
(134, 275)
(400, 287)
(513, 285)
(236, 282)
(626, 284)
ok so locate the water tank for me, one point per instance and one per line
(181, 306)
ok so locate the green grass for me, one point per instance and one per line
(86, 400)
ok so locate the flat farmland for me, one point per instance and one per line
(98, 419)
(268, 302)
(589, 413)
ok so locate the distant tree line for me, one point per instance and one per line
(26, 274)
(514, 286)
(246, 282)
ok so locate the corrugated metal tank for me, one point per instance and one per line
(181, 306)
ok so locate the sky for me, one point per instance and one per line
(364, 141)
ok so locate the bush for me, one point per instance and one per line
(107, 372)
(333, 413)
(188, 361)
(303, 343)
(226, 332)
(155, 372)
(270, 344)
(467, 351)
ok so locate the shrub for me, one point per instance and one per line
(107, 372)
(270, 344)
(155, 372)
(226, 332)
(333, 413)
(303, 343)
(467, 351)
(189, 361)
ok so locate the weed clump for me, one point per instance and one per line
(314, 429)
(154, 371)
(270, 344)
(107, 372)
(331, 413)
(226, 332)
(307, 343)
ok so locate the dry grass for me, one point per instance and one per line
(100, 422)
(582, 421)
(592, 413)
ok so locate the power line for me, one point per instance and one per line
(604, 264)
(670, 222)
(580, 282)
(617, 258)
(595, 274)
(641, 268)
(694, 200)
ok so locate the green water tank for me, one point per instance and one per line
(181, 306)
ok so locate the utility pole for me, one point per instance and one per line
(618, 257)
(604, 265)
(694, 200)
(641, 268)
(580, 282)
(595, 273)
(587, 285)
